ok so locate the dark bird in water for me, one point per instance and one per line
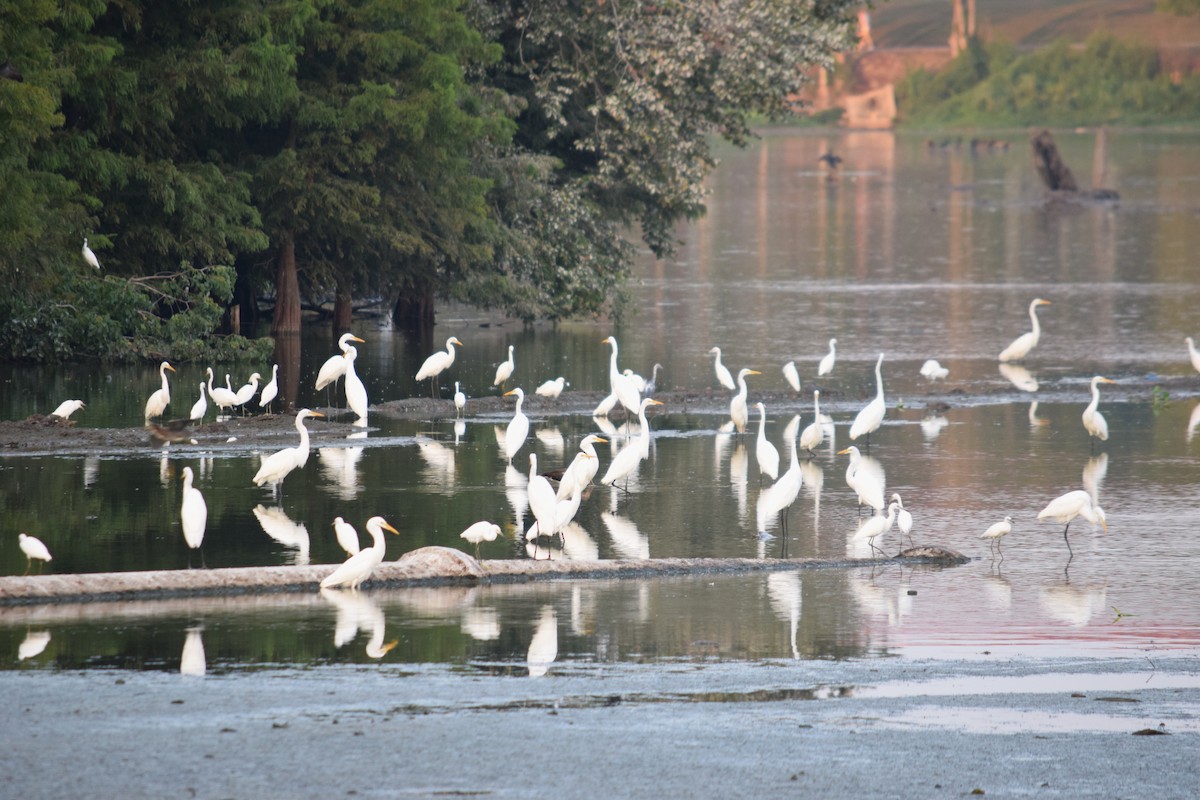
(173, 431)
(832, 159)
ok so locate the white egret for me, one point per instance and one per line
(1093, 420)
(358, 567)
(66, 408)
(932, 370)
(161, 398)
(904, 519)
(865, 478)
(778, 498)
(225, 399)
(552, 388)
(200, 407)
(335, 366)
(581, 471)
(460, 400)
(826, 365)
(278, 465)
(565, 510)
(1067, 507)
(606, 405)
(792, 375)
(356, 392)
(193, 512)
(270, 391)
(724, 376)
(518, 426)
(246, 393)
(438, 363)
(639, 382)
(482, 531)
(996, 532)
(541, 499)
(89, 256)
(626, 461)
(505, 370)
(814, 432)
(737, 406)
(347, 537)
(1026, 341)
(32, 547)
(764, 451)
(878, 525)
(871, 417)
(652, 384)
(620, 384)
(1193, 353)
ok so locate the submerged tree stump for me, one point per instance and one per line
(1057, 176)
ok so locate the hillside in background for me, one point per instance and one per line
(1031, 23)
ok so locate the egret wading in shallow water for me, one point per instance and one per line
(224, 399)
(356, 391)
(997, 532)
(359, 566)
(764, 451)
(1067, 507)
(1026, 341)
(33, 548)
(724, 376)
(482, 531)
(518, 426)
(279, 465)
(738, 412)
(1093, 421)
(335, 366)
(89, 256)
(438, 363)
(814, 432)
(347, 537)
(777, 499)
(161, 398)
(827, 362)
(620, 384)
(505, 370)
(193, 513)
(865, 478)
(871, 417)
(581, 471)
(626, 461)
(877, 526)
(542, 502)
(904, 520)
(792, 376)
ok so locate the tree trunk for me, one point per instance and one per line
(413, 313)
(244, 317)
(287, 290)
(343, 309)
(1050, 167)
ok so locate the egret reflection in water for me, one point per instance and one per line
(1193, 422)
(577, 544)
(626, 539)
(784, 590)
(33, 644)
(1019, 377)
(1073, 604)
(356, 612)
(192, 660)
(439, 463)
(543, 647)
(339, 467)
(481, 623)
(279, 526)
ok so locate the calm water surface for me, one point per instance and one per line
(912, 252)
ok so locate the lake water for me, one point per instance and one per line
(911, 251)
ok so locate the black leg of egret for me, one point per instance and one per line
(1068, 541)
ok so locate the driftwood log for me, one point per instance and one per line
(1057, 175)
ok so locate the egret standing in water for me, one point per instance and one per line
(542, 502)
(620, 384)
(279, 465)
(335, 366)
(518, 426)
(877, 526)
(997, 532)
(89, 256)
(814, 432)
(1093, 421)
(33, 547)
(826, 365)
(1067, 507)
(792, 375)
(871, 417)
(224, 399)
(1193, 353)
(738, 412)
(932, 370)
(581, 471)
(626, 461)
(764, 451)
(1026, 341)
(356, 391)
(438, 363)
(193, 513)
(865, 478)
(505, 370)
(724, 377)
(161, 398)
(359, 566)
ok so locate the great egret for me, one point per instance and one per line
(737, 406)
(505, 370)
(358, 567)
(878, 525)
(932, 370)
(200, 407)
(270, 391)
(518, 426)
(565, 510)
(89, 256)
(552, 388)
(814, 433)
(66, 408)
(246, 393)
(581, 472)
(542, 501)
(620, 384)
(1193, 353)
(460, 400)
(871, 417)
(335, 366)
(1067, 507)
(32, 547)
(606, 405)
(1093, 420)
(764, 451)
(347, 537)
(482, 531)
(826, 365)
(438, 363)
(193, 512)
(652, 384)
(904, 520)
(626, 461)
(356, 392)
(996, 532)
(777, 498)
(225, 399)
(724, 377)
(792, 375)
(278, 465)
(1026, 341)
(161, 398)
(865, 478)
